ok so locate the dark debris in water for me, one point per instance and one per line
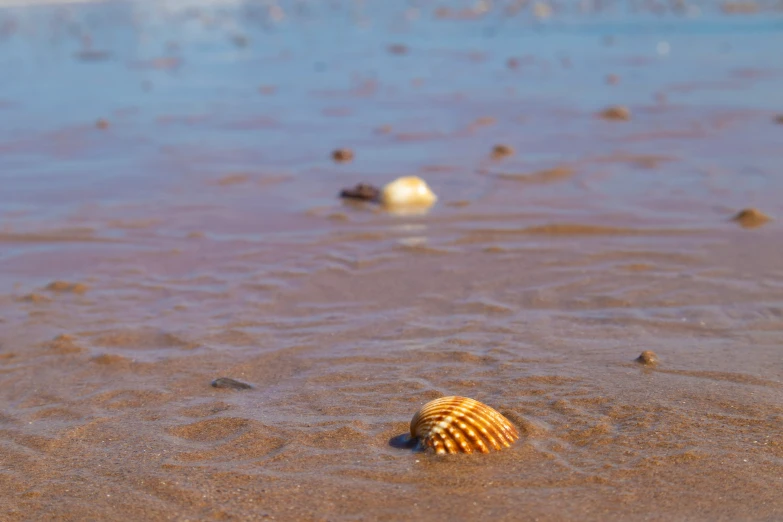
(361, 192)
(230, 384)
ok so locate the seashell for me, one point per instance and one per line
(461, 425)
(408, 191)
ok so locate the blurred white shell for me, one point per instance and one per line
(461, 425)
(407, 192)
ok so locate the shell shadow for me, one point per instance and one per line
(404, 441)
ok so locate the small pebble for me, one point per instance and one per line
(750, 218)
(647, 358)
(102, 124)
(230, 384)
(612, 79)
(64, 286)
(501, 151)
(485, 120)
(362, 192)
(342, 155)
(616, 113)
(779, 119)
(398, 49)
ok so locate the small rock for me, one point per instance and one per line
(240, 40)
(362, 192)
(779, 119)
(109, 359)
(102, 124)
(750, 218)
(342, 155)
(230, 384)
(647, 358)
(612, 79)
(398, 49)
(64, 286)
(501, 151)
(616, 113)
(485, 120)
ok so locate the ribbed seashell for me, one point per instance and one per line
(461, 425)
(406, 192)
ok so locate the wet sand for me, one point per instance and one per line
(170, 217)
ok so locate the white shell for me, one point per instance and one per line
(407, 192)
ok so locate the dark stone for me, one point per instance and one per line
(362, 192)
(230, 384)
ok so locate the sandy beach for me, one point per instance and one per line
(170, 216)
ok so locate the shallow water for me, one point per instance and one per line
(196, 234)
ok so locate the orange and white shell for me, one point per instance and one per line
(407, 192)
(461, 425)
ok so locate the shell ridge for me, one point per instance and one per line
(483, 429)
(472, 419)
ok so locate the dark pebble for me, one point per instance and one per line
(362, 192)
(230, 384)
(501, 151)
(342, 155)
(647, 358)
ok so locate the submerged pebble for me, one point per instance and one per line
(501, 151)
(750, 218)
(647, 358)
(230, 384)
(362, 192)
(616, 113)
(342, 155)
